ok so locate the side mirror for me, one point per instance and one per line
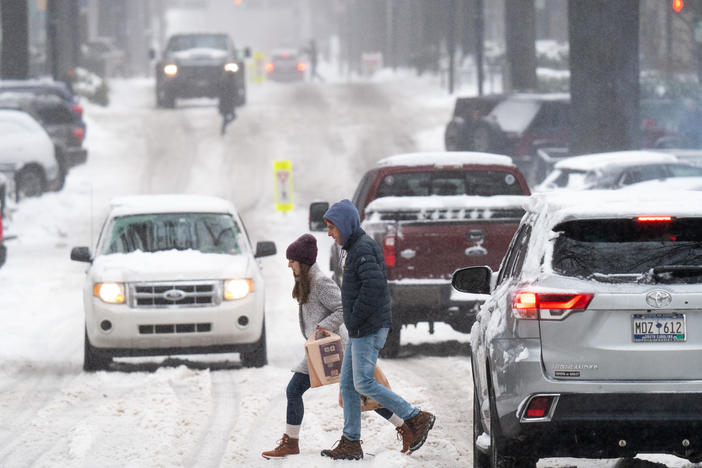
(474, 280)
(265, 249)
(81, 254)
(247, 52)
(317, 210)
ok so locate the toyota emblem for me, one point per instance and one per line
(174, 295)
(658, 298)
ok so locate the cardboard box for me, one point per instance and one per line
(324, 356)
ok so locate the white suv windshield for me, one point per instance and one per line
(206, 232)
(179, 43)
(630, 250)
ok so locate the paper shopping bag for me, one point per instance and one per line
(369, 404)
(324, 355)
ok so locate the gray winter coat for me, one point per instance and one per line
(323, 308)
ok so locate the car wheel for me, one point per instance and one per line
(258, 356)
(93, 359)
(30, 182)
(392, 343)
(168, 100)
(480, 458)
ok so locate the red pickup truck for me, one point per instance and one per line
(433, 213)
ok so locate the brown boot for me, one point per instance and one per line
(345, 450)
(286, 446)
(420, 424)
(405, 433)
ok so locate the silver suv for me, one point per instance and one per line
(589, 343)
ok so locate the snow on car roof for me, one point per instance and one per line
(616, 158)
(453, 202)
(615, 204)
(176, 203)
(446, 158)
(669, 183)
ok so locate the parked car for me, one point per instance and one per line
(44, 87)
(588, 344)
(66, 130)
(173, 274)
(101, 56)
(286, 65)
(423, 208)
(614, 170)
(197, 65)
(28, 154)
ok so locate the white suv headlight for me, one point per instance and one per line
(231, 67)
(112, 293)
(171, 69)
(237, 288)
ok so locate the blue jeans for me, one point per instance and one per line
(357, 379)
(298, 385)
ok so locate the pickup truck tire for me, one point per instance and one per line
(392, 343)
(93, 359)
(258, 356)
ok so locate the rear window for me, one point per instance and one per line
(420, 184)
(628, 250)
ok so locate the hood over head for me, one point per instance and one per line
(345, 217)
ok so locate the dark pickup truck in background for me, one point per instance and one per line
(200, 65)
(432, 213)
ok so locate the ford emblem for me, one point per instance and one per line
(658, 298)
(174, 294)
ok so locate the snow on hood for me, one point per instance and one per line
(446, 158)
(169, 265)
(596, 161)
(450, 202)
(200, 53)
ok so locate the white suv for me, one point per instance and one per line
(589, 343)
(173, 274)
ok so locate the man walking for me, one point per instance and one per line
(367, 315)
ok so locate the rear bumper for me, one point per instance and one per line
(614, 425)
(415, 301)
(594, 419)
(3, 253)
(74, 157)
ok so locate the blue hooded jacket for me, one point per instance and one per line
(364, 289)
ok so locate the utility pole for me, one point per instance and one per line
(451, 44)
(480, 43)
(63, 39)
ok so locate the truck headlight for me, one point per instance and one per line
(237, 288)
(231, 67)
(170, 69)
(112, 293)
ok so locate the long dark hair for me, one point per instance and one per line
(301, 290)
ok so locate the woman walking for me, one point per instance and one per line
(319, 300)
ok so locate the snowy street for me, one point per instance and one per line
(208, 411)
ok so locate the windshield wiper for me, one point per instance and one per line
(616, 277)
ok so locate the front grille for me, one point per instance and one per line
(156, 295)
(201, 72)
(162, 329)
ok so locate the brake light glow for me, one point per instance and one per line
(301, 66)
(654, 219)
(79, 133)
(548, 306)
(270, 67)
(77, 109)
(389, 249)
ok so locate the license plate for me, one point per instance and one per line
(658, 328)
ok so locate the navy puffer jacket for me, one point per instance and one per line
(364, 290)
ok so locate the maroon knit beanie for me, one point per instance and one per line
(303, 250)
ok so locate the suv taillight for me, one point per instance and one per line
(77, 110)
(79, 133)
(548, 306)
(389, 248)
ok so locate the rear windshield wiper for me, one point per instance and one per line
(616, 277)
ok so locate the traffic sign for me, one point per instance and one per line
(282, 181)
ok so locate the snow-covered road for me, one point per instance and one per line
(207, 411)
